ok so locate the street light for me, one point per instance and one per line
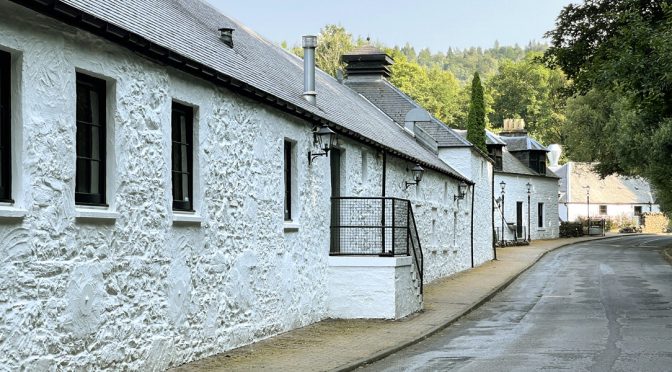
(417, 175)
(461, 191)
(503, 186)
(325, 139)
(529, 226)
(588, 202)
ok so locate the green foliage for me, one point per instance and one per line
(618, 53)
(529, 90)
(476, 118)
(434, 89)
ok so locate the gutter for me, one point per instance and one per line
(80, 19)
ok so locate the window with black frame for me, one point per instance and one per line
(288, 179)
(182, 123)
(5, 129)
(540, 215)
(91, 133)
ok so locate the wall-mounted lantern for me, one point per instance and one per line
(461, 191)
(325, 139)
(417, 175)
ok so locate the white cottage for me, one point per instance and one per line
(526, 190)
(584, 194)
(165, 195)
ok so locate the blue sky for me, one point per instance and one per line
(424, 23)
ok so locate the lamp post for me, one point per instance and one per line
(588, 202)
(529, 226)
(502, 185)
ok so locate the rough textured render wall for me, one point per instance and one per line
(372, 287)
(143, 293)
(544, 190)
(479, 170)
(618, 212)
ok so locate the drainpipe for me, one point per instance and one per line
(492, 188)
(382, 222)
(309, 44)
(473, 196)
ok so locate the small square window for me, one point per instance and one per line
(603, 210)
(638, 210)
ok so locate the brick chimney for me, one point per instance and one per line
(514, 128)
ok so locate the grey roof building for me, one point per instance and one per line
(367, 72)
(185, 34)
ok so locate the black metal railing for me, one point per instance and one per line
(375, 226)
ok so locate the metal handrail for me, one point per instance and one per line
(380, 226)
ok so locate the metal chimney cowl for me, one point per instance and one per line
(309, 45)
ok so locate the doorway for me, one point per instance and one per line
(519, 219)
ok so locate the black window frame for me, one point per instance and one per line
(603, 210)
(495, 153)
(287, 172)
(181, 141)
(99, 86)
(5, 127)
(540, 214)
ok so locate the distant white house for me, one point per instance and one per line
(584, 194)
(526, 191)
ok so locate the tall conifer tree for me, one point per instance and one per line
(476, 118)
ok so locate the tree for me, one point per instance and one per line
(618, 53)
(476, 119)
(527, 89)
(332, 42)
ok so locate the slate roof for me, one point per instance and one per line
(189, 29)
(396, 104)
(612, 189)
(523, 143)
(490, 138)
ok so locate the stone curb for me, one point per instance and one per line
(667, 254)
(389, 351)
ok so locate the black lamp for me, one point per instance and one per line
(417, 175)
(325, 139)
(461, 191)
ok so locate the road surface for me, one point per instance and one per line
(596, 306)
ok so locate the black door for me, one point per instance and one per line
(519, 219)
(335, 161)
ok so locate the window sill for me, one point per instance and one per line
(9, 211)
(98, 215)
(541, 229)
(186, 218)
(290, 226)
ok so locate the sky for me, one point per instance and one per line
(437, 24)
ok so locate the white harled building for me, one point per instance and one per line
(526, 190)
(165, 194)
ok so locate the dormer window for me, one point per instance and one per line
(538, 161)
(495, 153)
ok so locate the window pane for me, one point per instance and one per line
(83, 176)
(176, 155)
(84, 140)
(83, 103)
(94, 183)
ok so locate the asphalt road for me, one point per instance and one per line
(595, 306)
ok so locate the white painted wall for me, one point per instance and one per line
(544, 190)
(359, 287)
(479, 170)
(138, 286)
(580, 210)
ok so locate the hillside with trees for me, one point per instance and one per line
(441, 81)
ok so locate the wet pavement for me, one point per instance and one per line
(595, 306)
